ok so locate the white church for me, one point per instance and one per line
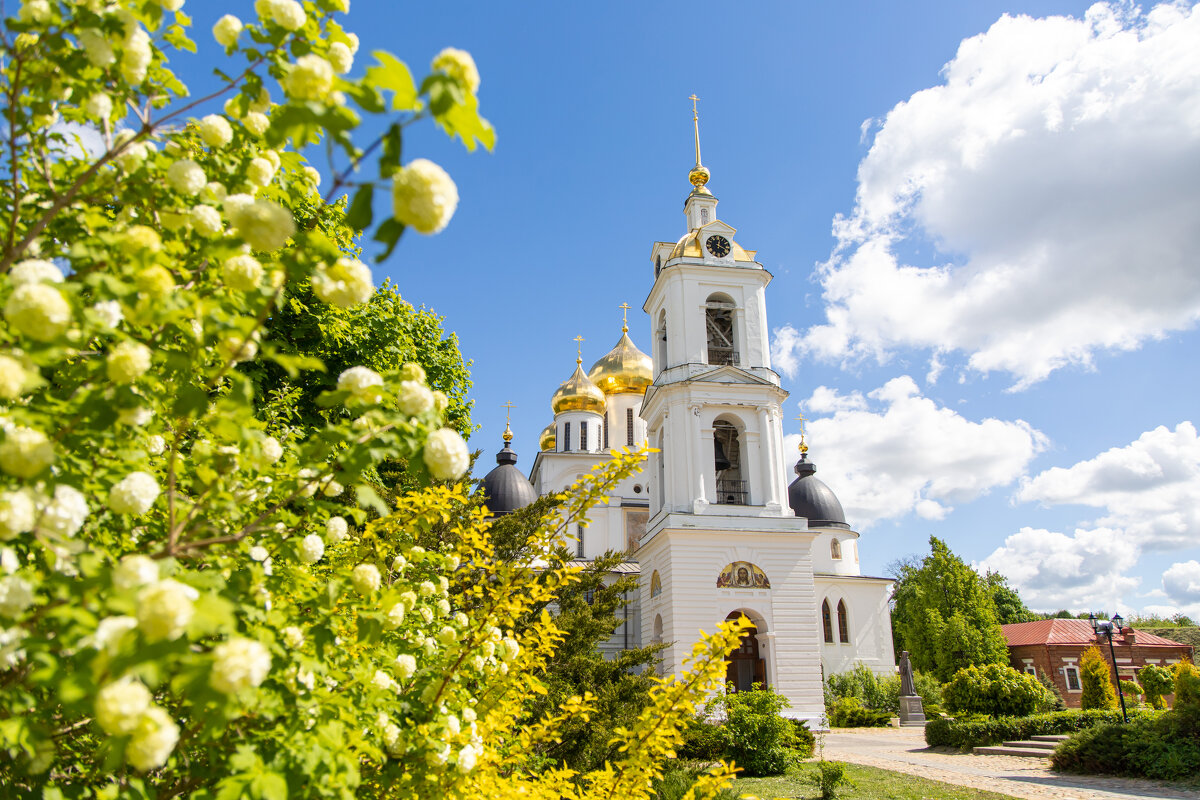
(711, 527)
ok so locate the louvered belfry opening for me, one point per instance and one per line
(727, 452)
(718, 316)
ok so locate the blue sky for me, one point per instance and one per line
(1011, 292)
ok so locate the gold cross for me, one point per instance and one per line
(693, 98)
(579, 351)
(801, 420)
(508, 407)
(624, 316)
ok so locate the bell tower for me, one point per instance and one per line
(721, 540)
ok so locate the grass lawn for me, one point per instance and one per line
(870, 783)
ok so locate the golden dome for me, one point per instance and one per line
(699, 176)
(548, 439)
(578, 394)
(689, 247)
(624, 369)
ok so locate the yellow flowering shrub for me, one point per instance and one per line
(197, 597)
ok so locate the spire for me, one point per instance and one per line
(508, 434)
(699, 174)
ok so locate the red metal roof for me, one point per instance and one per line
(1072, 631)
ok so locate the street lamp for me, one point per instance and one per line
(1107, 627)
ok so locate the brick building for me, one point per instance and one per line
(1053, 647)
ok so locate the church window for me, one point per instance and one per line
(1072, 676)
(566, 437)
(657, 266)
(727, 456)
(583, 426)
(718, 315)
(579, 542)
(704, 216)
(660, 343)
(589, 596)
(629, 427)
(606, 431)
(826, 621)
(843, 624)
(835, 550)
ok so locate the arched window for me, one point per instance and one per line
(835, 550)
(826, 621)
(660, 343)
(566, 437)
(657, 266)
(727, 465)
(843, 624)
(718, 315)
(655, 586)
(657, 628)
(579, 542)
(606, 431)
(704, 216)
(629, 427)
(583, 431)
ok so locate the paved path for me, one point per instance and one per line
(903, 750)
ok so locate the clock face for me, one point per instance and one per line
(718, 246)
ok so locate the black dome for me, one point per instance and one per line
(810, 497)
(506, 488)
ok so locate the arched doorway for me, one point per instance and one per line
(745, 666)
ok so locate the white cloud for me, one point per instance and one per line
(1148, 488)
(1182, 582)
(1056, 168)
(894, 452)
(1052, 570)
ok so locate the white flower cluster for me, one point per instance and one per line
(186, 177)
(261, 171)
(446, 455)
(458, 64)
(206, 221)
(153, 740)
(347, 283)
(264, 225)
(127, 362)
(256, 122)
(38, 311)
(272, 450)
(108, 313)
(414, 398)
(363, 384)
(312, 548)
(366, 578)
(120, 705)
(226, 31)
(242, 272)
(165, 609)
(310, 78)
(64, 513)
(13, 378)
(287, 14)
(34, 270)
(25, 452)
(17, 514)
(134, 494)
(239, 664)
(134, 572)
(336, 529)
(340, 58)
(215, 130)
(424, 197)
(16, 595)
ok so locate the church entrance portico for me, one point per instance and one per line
(747, 664)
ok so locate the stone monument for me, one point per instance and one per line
(912, 712)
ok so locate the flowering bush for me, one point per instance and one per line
(193, 597)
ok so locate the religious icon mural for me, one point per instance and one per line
(742, 575)
(655, 584)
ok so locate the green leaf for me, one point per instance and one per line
(389, 163)
(392, 74)
(190, 401)
(368, 498)
(360, 214)
(270, 786)
(463, 120)
(388, 233)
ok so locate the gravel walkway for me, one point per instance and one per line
(903, 750)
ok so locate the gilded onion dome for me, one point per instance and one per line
(578, 394)
(548, 439)
(624, 370)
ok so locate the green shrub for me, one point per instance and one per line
(805, 741)
(1187, 685)
(828, 777)
(757, 738)
(1052, 688)
(849, 713)
(997, 690)
(1096, 678)
(1131, 690)
(702, 741)
(1162, 746)
(861, 683)
(678, 778)
(1156, 682)
(968, 733)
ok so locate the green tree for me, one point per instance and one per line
(1095, 676)
(1156, 682)
(944, 615)
(185, 610)
(997, 690)
(1010, 607)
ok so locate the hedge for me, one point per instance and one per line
(968, 733)
(1163, 746)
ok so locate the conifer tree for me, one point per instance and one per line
(1096, 677)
